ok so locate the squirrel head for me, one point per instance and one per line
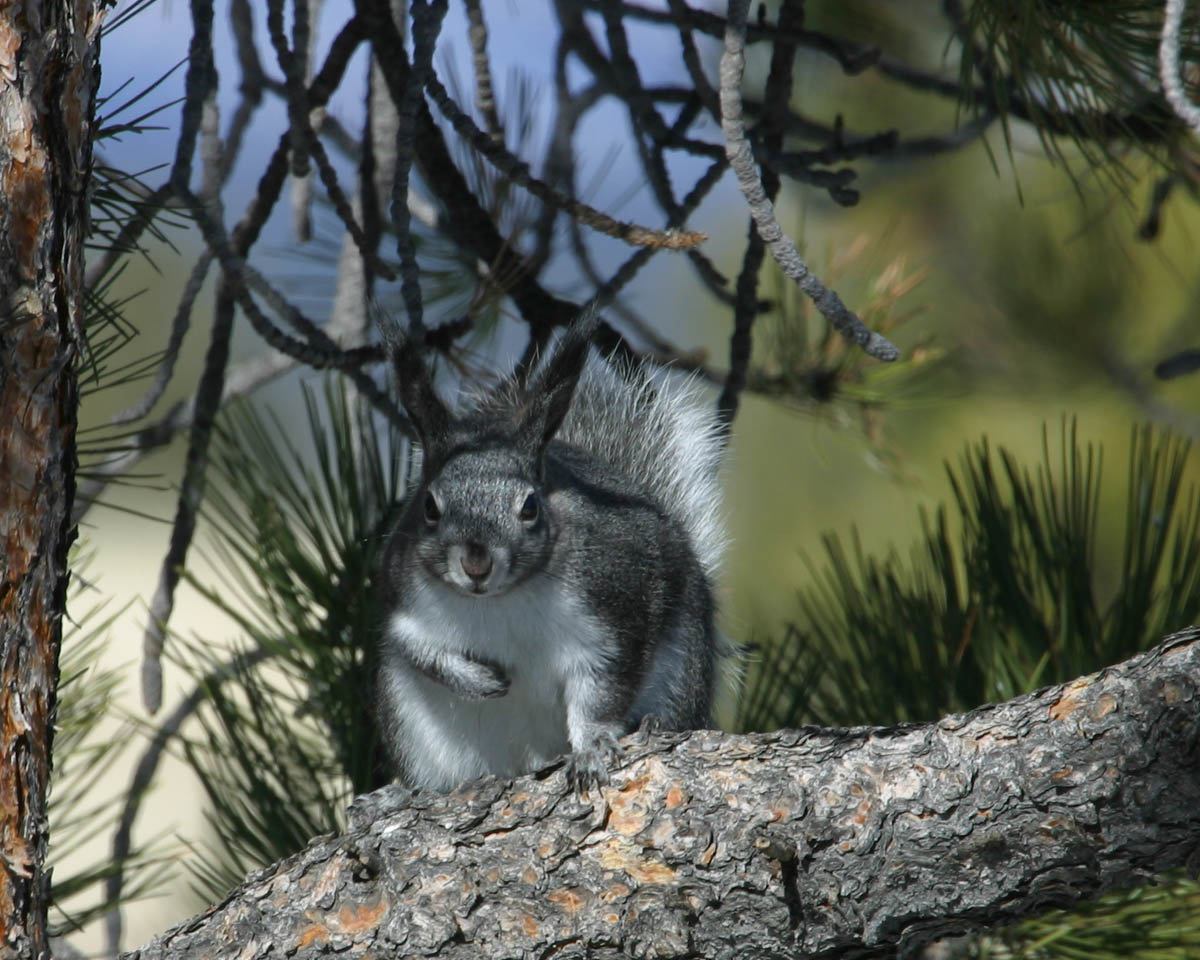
(480, 522)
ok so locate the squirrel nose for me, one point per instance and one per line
(477, 561)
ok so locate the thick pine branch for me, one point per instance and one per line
(804, 842)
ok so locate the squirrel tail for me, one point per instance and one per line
(661, 432)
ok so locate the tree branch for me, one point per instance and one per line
(1168, 67)
(800, 843)
(776, 95)
(777, 242)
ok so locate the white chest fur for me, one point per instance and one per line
(548, 646)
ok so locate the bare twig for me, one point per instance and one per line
(377, 165)
(293, 73)
(626, 82)
(304, 39)
(179, 328)
(517, 171)
(625, 273)
(253, 82)
(852, 57)
(778, 244)
(300, 128)
(241, 19)
(1168, 66)
(1152, 221)
(240, 381)
(485, 94)
(409, 103)
(645, 118)
(691, 59)
(252, 373)
(343, 207)
(143, 776)
(778, 92)
(579, 40)
(973, 129)
(208, 401)
(558, 167)
(201, 78)
(317, 350)
(466, 223)
(661, 351)
(231, 289)
(896, 69)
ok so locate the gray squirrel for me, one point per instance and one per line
(548, 586)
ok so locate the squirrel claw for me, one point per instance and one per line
(650, 724)
(586, 772)
(587, 769)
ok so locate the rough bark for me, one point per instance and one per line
(48, 77)
(801, 843)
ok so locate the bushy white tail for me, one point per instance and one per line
(664, 434)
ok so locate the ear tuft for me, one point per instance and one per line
(551, 390)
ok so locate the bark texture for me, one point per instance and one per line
(801, 843)
(48, 78)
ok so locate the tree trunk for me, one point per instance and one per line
(801, 843)
(48, 78)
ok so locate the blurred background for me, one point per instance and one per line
(1014, 276)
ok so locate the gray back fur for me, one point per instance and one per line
(658, 431)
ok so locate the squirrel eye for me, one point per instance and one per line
(529, 509)
(432, 513)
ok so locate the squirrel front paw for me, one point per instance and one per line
(480, 680)
(587, 769)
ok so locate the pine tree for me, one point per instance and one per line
(459, 224)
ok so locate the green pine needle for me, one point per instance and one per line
(1007, 590)
(85, 748)
(1083, 74)
(288, 740)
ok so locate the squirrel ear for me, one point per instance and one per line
(424, 407)
(551, 391)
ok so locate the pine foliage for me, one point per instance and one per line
(1008, 589)
(286, 737)
(86, 746)
(1083, 74)
(90, 735)
(1011, 587)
